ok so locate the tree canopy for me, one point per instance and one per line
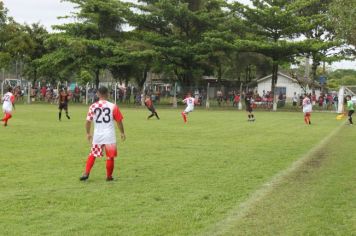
(181, 40)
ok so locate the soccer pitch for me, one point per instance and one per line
(173, 178)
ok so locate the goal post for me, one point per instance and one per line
(343, 91)
(340, 108)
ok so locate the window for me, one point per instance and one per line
(279, 90)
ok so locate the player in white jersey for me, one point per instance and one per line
(307, 109)
(8, 103)
(104, 114)
(190, 101)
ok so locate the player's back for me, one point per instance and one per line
(307, 106)
(104, 114)
(8, 99)
(189, 101)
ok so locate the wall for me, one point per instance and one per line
(282, 81)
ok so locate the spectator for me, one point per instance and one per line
(76, 94)
(236, 100)
(295, 99)
(280, 100)
(83, 93)
(336, 102)
(43, 93)
(219, 97)
(313, 98)
(321, 100)
(128, 95)
(329, 101)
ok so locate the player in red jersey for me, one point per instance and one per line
(150, 107)
(190, 101)
(8, 103)
(104, 114)
(63, 103)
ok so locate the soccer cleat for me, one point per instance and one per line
(84, 177)
(309, 123)
(68, 117)
(109, 178)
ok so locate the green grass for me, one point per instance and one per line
(316, 199)
(171, 178)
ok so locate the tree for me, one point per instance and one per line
(90, 42)
(343, 15)
(18, 45)
(5, 57)
(273, 26)
(133, 59)
(3, 14)
(37, 34)
(176, 29)
(319, 31)
(246, 66)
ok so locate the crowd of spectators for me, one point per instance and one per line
(127, 95)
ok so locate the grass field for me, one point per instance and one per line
(173, 178)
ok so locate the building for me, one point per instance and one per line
(285, 85)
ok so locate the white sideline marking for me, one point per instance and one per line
(222, 227)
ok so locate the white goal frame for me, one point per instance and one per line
(344, 90)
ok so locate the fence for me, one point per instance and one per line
(207, 97)
(213, 97)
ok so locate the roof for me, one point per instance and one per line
(279, 74)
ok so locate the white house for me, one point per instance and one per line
(285, 85)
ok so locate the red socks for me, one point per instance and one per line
(90, 163)
(109, 167)
(7, 117)
(184, 117)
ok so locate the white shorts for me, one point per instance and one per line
(188, 109)
(8, 111)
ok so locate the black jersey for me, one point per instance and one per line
(248, 103)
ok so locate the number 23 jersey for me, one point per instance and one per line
(104, 114)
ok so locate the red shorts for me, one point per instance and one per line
(110, 150)
(307, 114)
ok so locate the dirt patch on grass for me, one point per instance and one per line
(310, 165)
(316, 160)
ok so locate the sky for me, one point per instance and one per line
(34, 11)
(47, 11)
